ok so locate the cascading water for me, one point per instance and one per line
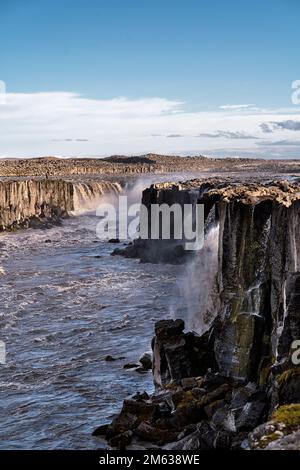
(294, 237)
(87, 196)
(252, 296)
(198, 285)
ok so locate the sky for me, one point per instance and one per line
(101, 77)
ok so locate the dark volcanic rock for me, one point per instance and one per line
(177, 355)
(146, 361)
(147, 432)
(280, 432)
(101, 430)
(120, 441)
(34, 203)
(213, 389)
(289, 386)
(291, 323)
(110, 358)
(252, 413)
(259, 245)
(131, 415)
(114, 240)
(42, 202)
(131, 365)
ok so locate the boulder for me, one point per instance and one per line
(110, 358)
(114, 240)
(168, 328)
(141, 396)
(131, 365)
(132, 414)
(289, 442)
(213, 407)
(178, 355)
(249, 404)
(146, 361)
(188, 442)
(149, 432)
(285, 421)
(216, 394)
(188, 383)
(289, 385)
(101, 430)
(121, 441)
(224, 419)
(251, 415)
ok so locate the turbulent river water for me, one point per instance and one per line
(66, 303)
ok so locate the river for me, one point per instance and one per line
(66, 303)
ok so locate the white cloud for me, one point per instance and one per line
(237, 106)
(69, 124)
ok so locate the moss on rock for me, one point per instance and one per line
(288, 415)
(287, 375)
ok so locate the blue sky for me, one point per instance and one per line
(201, 54)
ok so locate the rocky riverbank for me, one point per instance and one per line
(197, 407)
(235, 384)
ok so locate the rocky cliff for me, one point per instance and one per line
(258, 264)
(25, 203)
(149, 163)
(242, 370)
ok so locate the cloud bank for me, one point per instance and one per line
(289, 125)
(70, 124)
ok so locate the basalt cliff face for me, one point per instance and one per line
(23, 203)
(149, 163)
(40, 202)
(258, 264)
(235, 384)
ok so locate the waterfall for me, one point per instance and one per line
(294, 237)
(252, 296)
(87, 196)
(280, 322)
(198, 285)
(252, 299)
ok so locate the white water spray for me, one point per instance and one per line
(197, 286)
(87, 196)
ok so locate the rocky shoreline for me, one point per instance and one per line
(235, 384)
(195, 407)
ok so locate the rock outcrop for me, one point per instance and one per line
(37, 202)
(178, 355)
(282, 432)
(258, 263)
(25, 203)
(216, 388)
(188, 411)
